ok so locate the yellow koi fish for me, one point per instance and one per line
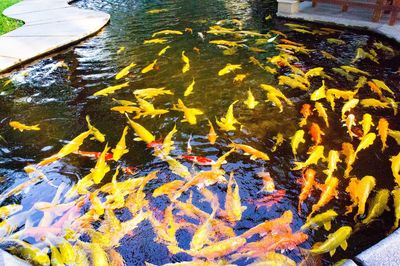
(365, 142)
(156, 11)
(395, 134)
(157, 40)
(277, 92)
(251, 102)
(28, 252)
(185, 60)
(121, 49)
(228, 122)
(361, 82)
(279, 139)
(333, 160)
(351, 69)
(233, 206)
(377, 206)
(366, 123)
(149, 67)
(248, 150)
(150, 93)
(396, 205)
(318, 220)
(111, 89)
(124, 71)
(348, 151)
(319, 93)
(21, 127)
(202, 234)
(189, 89)
(374, 103)
(328, 56)
(228, 69)
(239, 78)
(297, 138)
(383, 128)
(101, 167)
(212, 136)
(316, 154)
(142, 133)
(272, 97)
(291, 82)
(178, 168)
(334, 240)
(125, 109)
(167, 32)
(189, 113)
(350, 104)
(168, 189)
(382, 85)
(95, 132)
(164, 50)
(329, 191)
(124, 102)
(396, 168)
(359, 191)
(226, 43)
(168, 143)
(120, 149)
(381, 46)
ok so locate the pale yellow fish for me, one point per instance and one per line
(156, 11)
(366, 123)
(374, 103)
(365, 142)
(272, 97)
(142, 133)
(239, 77)
(351, 69)
(21, 127)
(251, 102)
(228, 122)
(124, 71)
(315, 155)
(149, 93)
(395, 166)
(228, 69)
(164, 50)
(121, 49)
(189, 89)
(149, 67)
(189, 113)
(167, 32)
(319, 93)
(212, 136)
(322, 112)
(111, 89)
(157, 40)
(185, 60)
(97, 135)
(333, 160)
(297, 138)
(273, 90)
(120, 148)
(381, 84)
(279, 139)
(377, 206)
(101, 167)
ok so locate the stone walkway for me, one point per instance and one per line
(49, 25)
(354, 17)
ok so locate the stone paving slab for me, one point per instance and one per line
(355, 17)
(49, 25)
(8, 260)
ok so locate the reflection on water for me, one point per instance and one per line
(58, 98)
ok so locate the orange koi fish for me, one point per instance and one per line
(316, 132)
(307, 185)
(306, 111)
(383, 128)
(328, 192)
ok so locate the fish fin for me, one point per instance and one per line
(137, 139)
(344, 245)
(328, 225)
(253, 157)
(332, 252)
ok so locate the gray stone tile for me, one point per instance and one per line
(8, 260)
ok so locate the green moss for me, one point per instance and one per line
(8, 24)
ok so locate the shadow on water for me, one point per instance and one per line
(59, 98)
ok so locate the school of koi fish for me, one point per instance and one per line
(81, 226)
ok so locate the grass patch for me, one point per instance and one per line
(8, 24)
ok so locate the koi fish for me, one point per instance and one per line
(366, 123)
(365, 142)
(189, 89)
(202, 234)
(274, 226)
(212, 136)
(95, 132)
(307, 185)
(279, 139)
(361, 82)
(276, 92)
(268, 200)
(351, 104)
(297, 138)
(350, 122)
(121, 49)
(348, 151)
(381, 46)
(156, 40)
(21, 127)
(185, 60)
(268, 182)
(351, 69)
(230, 51)
(198, 159)
(377, 206)
(150, 67)
(168, 188)
(324, 219)
(316, 132)
(233, 206)
(124, 71)
(226, 43)
(322, 112)
(157, 11)
(28, 252)
(292, 83)
(248, 150)
(395, 134)
(167, 32)
(93, 154)
(333, 160)
(330, 191)
(334, 240)
(328, 56)
(189, 113)
(396, 205)
(164, 50)
(251, 103)
(125, 109)
(319, 93)
(142, 133)
(315, 155)
(383, 128)
(359, 191)
(228, 122)
(306, 111)
(381, 84)
(120, 149)
(228, 69)
(69, 148)
(335, 41)
(111, 89)
(178, 168)
(124, 102)
(374, 103)
(271, 97)
(101, 168)
(396, 168)
(152, 92)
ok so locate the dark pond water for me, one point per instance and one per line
(59, 98)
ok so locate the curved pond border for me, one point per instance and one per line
(49, 25)
(387, 251)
